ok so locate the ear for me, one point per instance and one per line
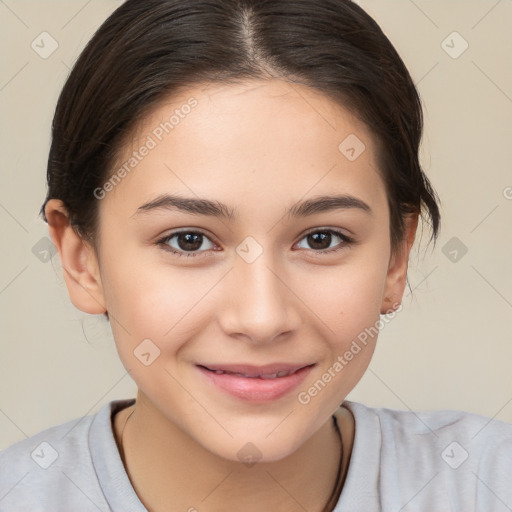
(79, 263)
(397, 271)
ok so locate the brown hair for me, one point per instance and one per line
(148, 49)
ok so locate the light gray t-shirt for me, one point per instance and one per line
(401, 461)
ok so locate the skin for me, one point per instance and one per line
(258, 147)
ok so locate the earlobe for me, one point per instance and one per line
(79, 262)
(397, 272)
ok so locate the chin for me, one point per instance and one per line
(250, 450)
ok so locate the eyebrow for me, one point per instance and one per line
(197, 206)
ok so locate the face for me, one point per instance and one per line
(237, 297)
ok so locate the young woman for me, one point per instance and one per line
(236, 185)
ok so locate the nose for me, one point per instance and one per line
(259, 304)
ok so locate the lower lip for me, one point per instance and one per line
(256, 389)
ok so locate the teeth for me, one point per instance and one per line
(282, 373)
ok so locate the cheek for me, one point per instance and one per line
(349, 303)
(152, 322)
(155, 301)
(349, 297)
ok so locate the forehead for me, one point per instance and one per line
(223, 141)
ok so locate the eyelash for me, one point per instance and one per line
(346, 241)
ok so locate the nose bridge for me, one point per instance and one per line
(260, 306)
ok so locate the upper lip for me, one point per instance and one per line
(249, 370)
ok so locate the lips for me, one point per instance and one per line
(256, 383)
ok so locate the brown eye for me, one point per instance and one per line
(321, 240)
(189, 241)
(185, 242)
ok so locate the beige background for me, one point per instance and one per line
(450, 347)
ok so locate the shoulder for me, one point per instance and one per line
(453, 457)
(421, 422)
(448, 435)
(478, 433)
(54, 468)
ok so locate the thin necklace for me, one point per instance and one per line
(338, 485)
(340, 479)
(123, 458)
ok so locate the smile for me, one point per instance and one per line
(256, 383)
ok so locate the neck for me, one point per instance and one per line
(166, 467)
